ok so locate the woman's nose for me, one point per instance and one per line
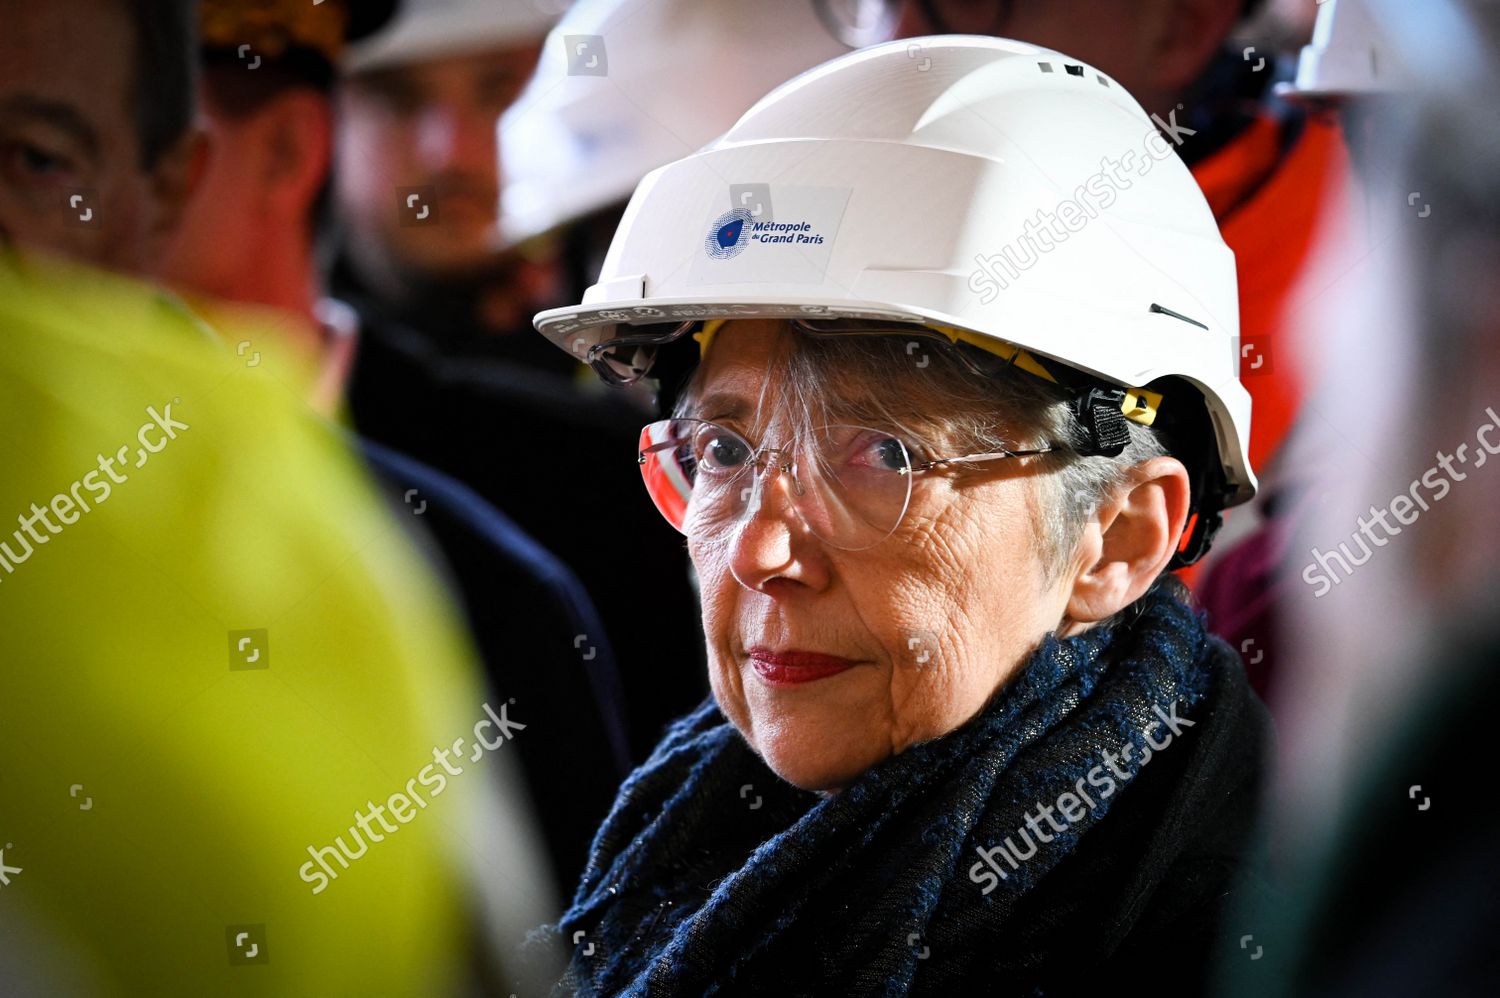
(771, 541)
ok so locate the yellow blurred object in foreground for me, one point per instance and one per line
(224, 649)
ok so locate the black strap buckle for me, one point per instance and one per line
(1104, 429)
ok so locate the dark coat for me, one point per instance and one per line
(559, 461)
(525, 610)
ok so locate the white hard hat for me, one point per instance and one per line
(1351, 53)
(900, 182)
(430, 29)
(625, 86)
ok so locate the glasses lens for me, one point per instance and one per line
(692, 469)
(856, 487)
(850, 486)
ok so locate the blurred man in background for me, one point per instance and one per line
(245, 251)
(220, 652)
(449, 369)
(245, 255)
(653, 81)
(417, 117)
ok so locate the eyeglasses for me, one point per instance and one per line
(849, 485)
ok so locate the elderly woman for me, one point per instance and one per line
(964, 737)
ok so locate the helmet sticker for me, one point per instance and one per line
(743, 246)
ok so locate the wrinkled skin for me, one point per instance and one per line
(961, 580)
(960, 576)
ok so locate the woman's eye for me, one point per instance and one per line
(723, 451)
(888, 454)
(872, 451)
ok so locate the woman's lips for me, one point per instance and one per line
(784, 668)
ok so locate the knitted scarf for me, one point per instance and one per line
(711, 876)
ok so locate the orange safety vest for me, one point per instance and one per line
(1268, 201)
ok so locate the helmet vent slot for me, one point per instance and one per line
(1163, 310)
(1074, 70)
(1046, 66)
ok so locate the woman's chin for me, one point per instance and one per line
(818, 762)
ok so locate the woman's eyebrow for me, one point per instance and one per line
(724, 405)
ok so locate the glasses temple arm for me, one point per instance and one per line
(976, 458)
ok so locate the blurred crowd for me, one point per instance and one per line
(299, 247)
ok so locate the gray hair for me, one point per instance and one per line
(950, 399)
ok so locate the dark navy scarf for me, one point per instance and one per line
(713, 876)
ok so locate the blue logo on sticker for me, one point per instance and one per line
(728, 236)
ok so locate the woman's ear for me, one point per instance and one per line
(1130, 540)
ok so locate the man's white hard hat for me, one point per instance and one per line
(626, 86)
(433, 29)
(910, 181)
(1351, 53)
